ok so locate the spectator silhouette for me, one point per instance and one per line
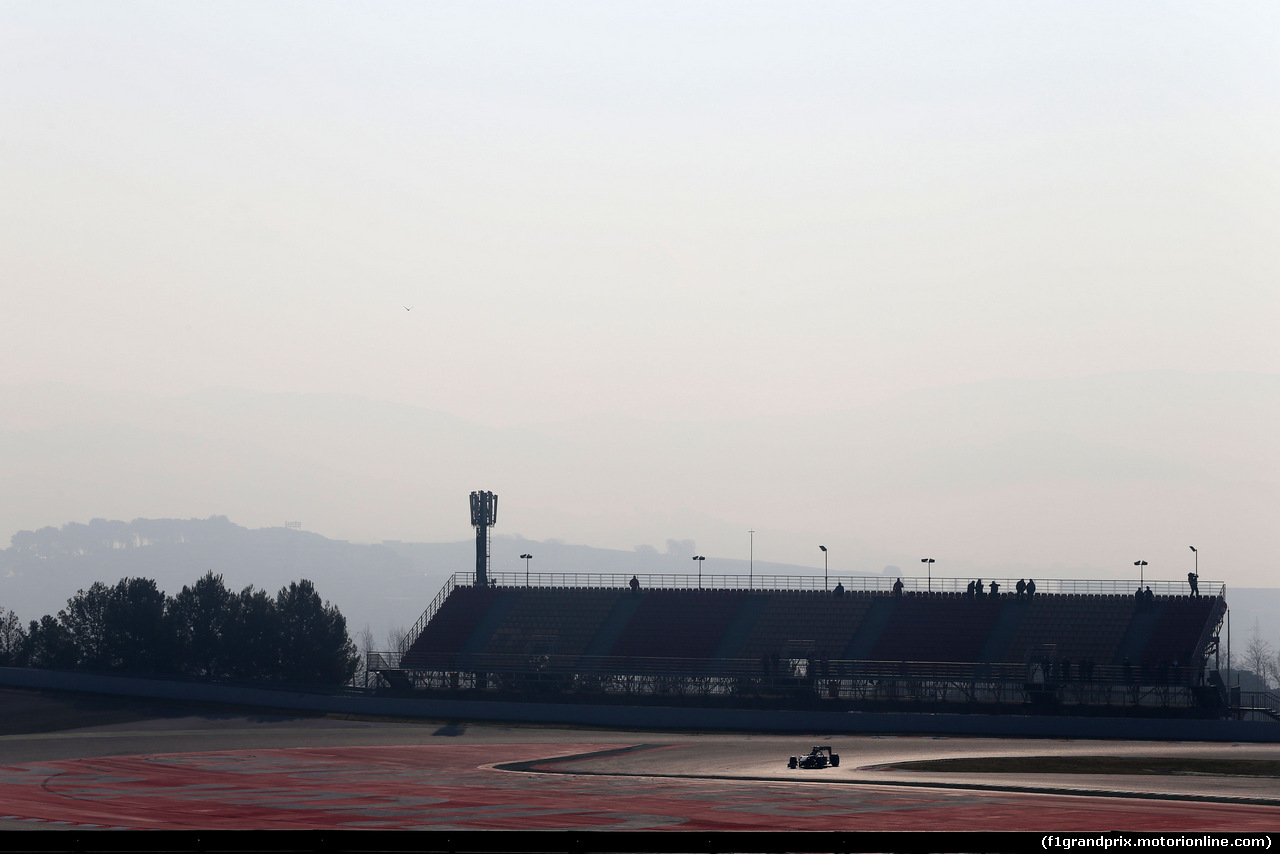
(897, 587)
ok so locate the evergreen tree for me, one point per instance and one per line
(49, 645)
(205, 630)
(314, 644)
(85, 623)
(139, 639)
(253, 644)
(201, 619)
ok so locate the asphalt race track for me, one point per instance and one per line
(71, 761)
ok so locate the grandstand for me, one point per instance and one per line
(1074, 647)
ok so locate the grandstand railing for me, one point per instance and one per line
(1049, 672)
(1259, 704)
(935, 684)
(868, 583)
(453, 581)
(378, 661)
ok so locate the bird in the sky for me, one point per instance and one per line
(408, 308)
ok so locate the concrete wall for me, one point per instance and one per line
(851, 723)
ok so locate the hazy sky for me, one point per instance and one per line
(676, 210)
(993, 282)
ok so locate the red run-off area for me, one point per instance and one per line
(459, 788)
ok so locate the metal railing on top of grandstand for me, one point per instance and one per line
(877, 583)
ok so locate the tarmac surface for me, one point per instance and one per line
(72, 761)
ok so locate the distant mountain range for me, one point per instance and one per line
(1053, 478)
(384, 586)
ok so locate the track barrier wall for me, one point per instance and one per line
(646, 717)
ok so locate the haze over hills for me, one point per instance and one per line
(382, 586)
(1067, 478)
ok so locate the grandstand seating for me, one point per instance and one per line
(937, 627)
(678, 623)
(745, 626)
(559, 620)
(1079, 627)
(453, 624)
(1171, 641)
(793, 615)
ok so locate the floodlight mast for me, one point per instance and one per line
(484, 513)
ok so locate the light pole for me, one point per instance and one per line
(751, 564)
(928, 562)
(526, 558)
(1140, 564)
(1197, 553)
(824, 566)
(699, 559)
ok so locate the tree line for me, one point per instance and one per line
(206, 630)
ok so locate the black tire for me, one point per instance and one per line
(792, 762)
(835, 760)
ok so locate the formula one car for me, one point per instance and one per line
(819, 757)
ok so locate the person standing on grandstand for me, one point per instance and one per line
(635, 584)
(978, 589)
(995, 588)
(1031, 587)
(1194, 581)
(1021, 588)
(969, 590)
(897, 588)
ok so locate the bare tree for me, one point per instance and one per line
(12, 639)
(397, 639)
(365, 643)
(1259, 657)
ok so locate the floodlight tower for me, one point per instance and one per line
(484, 513)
